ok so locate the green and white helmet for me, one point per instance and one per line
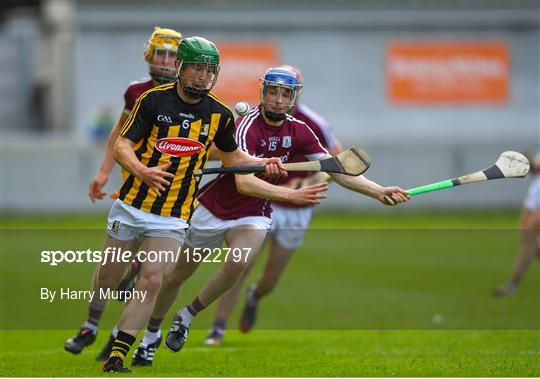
(201, 56)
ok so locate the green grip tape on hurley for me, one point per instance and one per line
(431, 187)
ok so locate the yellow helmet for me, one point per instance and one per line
(161, 54)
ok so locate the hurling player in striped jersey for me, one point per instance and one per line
(160, 54)
(165, 138)
(236, 208)
(289, 225)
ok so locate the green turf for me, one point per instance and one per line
(366, 295)
(299, 353)
(344, 219)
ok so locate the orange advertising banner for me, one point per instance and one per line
(242, 65)
(448, 72)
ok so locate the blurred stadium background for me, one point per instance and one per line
(431, 89)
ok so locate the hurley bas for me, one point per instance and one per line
(104, 294)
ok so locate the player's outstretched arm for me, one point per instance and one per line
(95, 188)
(387, 195)
(318, 177)
(154, 177)
(250, 185)
(238, 157)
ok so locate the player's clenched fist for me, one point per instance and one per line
(274, 167)
(155, 177)
(393, 195)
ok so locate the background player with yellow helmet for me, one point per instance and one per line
(160, 54)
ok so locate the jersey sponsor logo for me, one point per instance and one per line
(178, 146)
(163, 118)
(186, 115)
(286, 141)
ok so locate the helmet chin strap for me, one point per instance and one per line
(273, 116)
(156, 78)
(160, 79)
(193, 92)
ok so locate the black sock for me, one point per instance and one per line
(121, 346)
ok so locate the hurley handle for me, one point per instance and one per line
(431, 187)
(230, 170)
(427, 188)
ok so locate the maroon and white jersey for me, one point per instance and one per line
(324, 133)
(253, 135)
(136, 89)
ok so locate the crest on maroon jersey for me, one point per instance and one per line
(286, 141)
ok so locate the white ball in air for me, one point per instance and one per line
(241, 108)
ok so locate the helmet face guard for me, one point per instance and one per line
(199, 66)
(196, 78)
(162, 69)
(160, 54)
(280, 88)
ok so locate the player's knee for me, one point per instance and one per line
(150, 283)
(172, 281)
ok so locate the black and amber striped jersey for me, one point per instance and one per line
(165, 128)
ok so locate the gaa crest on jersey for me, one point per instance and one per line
(115, 226)
(286, 142)
(178, 146)
(164, 119)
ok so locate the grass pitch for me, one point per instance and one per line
(298, 353)
(366, 295)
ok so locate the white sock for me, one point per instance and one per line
(92, 327)
(150, 337)
(186, 316)
(114, 332)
